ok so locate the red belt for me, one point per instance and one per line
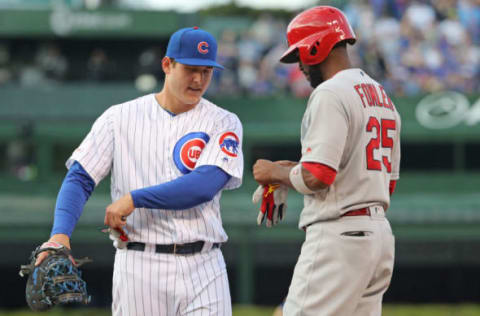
(359, 212)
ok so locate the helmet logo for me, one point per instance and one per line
(334, 24)
(202, 47)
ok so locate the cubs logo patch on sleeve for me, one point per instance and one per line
(187, 150)
(229, 143)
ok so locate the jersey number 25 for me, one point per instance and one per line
(380, 139)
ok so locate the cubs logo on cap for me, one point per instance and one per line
(187, 150)
(229, 143)
(194, 47)
(202, 47)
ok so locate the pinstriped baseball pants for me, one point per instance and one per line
(148, 283)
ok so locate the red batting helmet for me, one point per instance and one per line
(314, 32)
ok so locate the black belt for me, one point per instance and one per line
(181, 249)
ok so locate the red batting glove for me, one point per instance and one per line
(267, 208)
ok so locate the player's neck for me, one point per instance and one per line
(337, 61)
(172, 104)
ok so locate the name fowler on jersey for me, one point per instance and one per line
(372, 97)
(187, 150)
(229, 143)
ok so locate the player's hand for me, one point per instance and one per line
(274, 203)
(117, 212)
(54, 241)
(263, 171)
(266, 171)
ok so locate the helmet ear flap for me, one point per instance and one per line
(314, 49)
(309, 54)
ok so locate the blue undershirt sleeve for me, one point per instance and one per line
(74, 193)
(197, 187)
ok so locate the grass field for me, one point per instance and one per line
(388, 310)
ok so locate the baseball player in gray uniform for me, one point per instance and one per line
(350, 137)
(170, 155)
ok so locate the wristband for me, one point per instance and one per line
(296, 178)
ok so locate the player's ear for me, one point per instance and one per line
(167, 64)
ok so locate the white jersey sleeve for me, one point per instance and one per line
(395, 175)
(95, 153)
(324, 129)
(225, 149)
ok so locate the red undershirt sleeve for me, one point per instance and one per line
(327, 174)
(320, 171)
(392, 185)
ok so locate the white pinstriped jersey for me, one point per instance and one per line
(142, 145)
(352, 126)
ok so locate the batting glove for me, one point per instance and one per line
(274, 203)
(118, 236)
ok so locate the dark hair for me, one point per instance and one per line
(341, 44)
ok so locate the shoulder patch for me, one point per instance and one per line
(187, 150)
(229, 143)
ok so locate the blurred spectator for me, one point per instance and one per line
(247, 75)
(421, 16)
(445, 9)
(51, 62)
(31, 75)
(20, 155)
(5, 72)
(99, 66)
(264, 32)
(275, 72)
(49, 66)
(226, 81)
(150, 63)
(469, 16)
(149, 69)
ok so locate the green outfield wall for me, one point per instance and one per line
(63, 21)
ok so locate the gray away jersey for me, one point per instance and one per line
(143, 145)
(352, 126)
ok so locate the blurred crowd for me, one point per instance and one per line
(419, 46)
(412, 47)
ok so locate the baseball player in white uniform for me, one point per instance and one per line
(170, 155)
(350, 138)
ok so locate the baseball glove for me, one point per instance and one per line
(274, 203)
(55, 280)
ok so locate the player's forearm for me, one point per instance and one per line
(317, 176)
(74, 193)
(185, 192)
(281, 175)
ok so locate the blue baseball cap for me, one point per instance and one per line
(194, 47)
